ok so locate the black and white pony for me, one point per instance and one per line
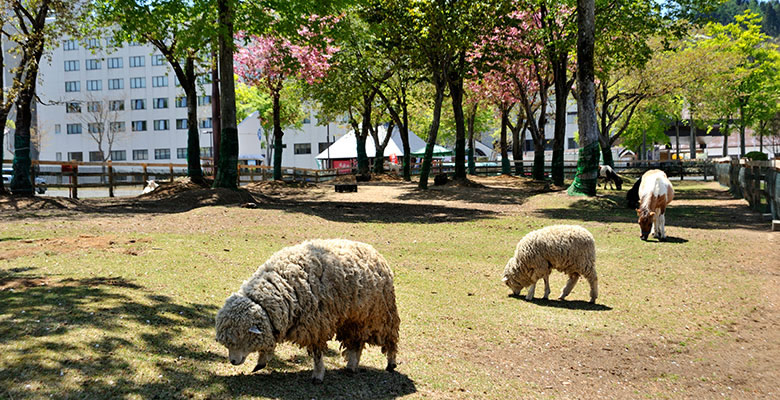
(608, 175)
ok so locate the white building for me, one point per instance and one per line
(130, 93)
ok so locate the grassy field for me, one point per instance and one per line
(117, 300)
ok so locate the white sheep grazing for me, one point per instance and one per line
(306, 294)
(150, 186)
(567, 248)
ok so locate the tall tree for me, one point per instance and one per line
(32, 31)
(587, 164)
(227, 170)
(178, 29)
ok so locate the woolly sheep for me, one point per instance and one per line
(567, 248)
(306, 294)
(150, 186)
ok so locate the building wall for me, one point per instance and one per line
(75, 68)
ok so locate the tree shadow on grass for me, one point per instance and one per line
(98, 329)
(367, 383)
(565, 304)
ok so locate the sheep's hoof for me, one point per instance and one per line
(391, 367)
(592, 301)
(258, 367)
(315, 381)
(350, 371)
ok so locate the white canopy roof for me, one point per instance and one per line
(346, 146)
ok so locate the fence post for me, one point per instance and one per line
(75, 188)
(145, 175)
(110, 179)
(170, 170)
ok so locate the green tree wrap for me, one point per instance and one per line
(21, 185)
(587, 172)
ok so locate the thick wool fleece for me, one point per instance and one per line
(321, 288)
(570, 249)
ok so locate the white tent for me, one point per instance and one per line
(346, 146)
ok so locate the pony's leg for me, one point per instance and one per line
(661, 226)
(530, 295)
(569, 286)
(546, 287)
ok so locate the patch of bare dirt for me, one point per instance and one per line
(22, 282)
(36, 203)
(11, 249)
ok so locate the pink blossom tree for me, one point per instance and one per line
(271, 62)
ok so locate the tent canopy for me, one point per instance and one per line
(438, 151)
(346, 146)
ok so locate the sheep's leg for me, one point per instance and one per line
(353, 358)
(546, 287)
(319, 367)
(530, 295)
(391, 364)
(569, 286)
(594, 288)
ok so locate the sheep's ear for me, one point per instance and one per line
(255, 330)
(504, 279)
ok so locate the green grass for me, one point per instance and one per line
(135, 319)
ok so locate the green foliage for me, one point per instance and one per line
(251, 98)
(756, 156)
(649, 123)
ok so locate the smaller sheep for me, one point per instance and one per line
(150, 186)
(567, 248)
(309, 293)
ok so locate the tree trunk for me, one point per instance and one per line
(588, 162)
(726, 139)
(193, 136)
(278, 134)
(3, 113)
(517, 146)
(677, 132)
(456, 94)
(520, 168)
(606, 154)
(506, 168)
(433, 131)
(380, 146)
(362, 156)
(559, 129)
(216, 119)
(227, 172)
(538, 168)
(693, 138)
(741, 131)
(470, 127)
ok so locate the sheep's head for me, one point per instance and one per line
(645, 222)
(243, 327)
(516, 278)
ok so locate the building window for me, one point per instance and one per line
(138, 104)
(73, 107)
(137, 61)
(135, 44)
(162, 154)
(115, 62)
(322, 147)
(140, 154)
(161, 124)
(75, 156)
(71, 65)
(94, 106)
(57, 128)
(160, 81)
(137, 83)
(73, 86)
(205, 123)
(73, 129)
(116, 105)
(92, 43)
(118, 155)
(116, 84)
(139, 126)
(58, 156)
(158, 59)
(204, 79)
(117, 126)
(95, 127)
(206, 151)
(161, 102)
(573, 144)
(307, 120)
(181, 102)
(181, 123)
(94, 85)
(204, 100)
(302, 148)
(93, 64)
(571, 117)
(71, 44)
(181, 153)
(176, 81)
(95, 156)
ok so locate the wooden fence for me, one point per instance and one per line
(73, 175)
(758, 182)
